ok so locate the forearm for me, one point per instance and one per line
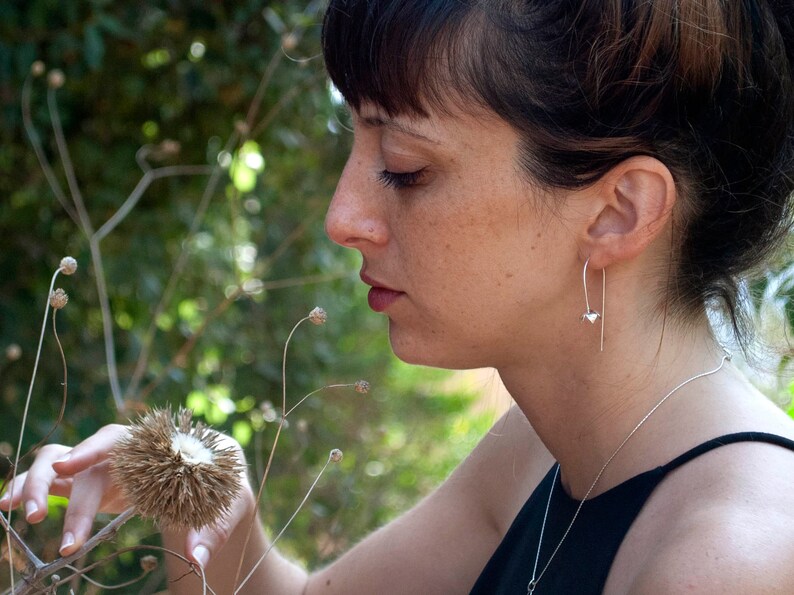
(275, 574)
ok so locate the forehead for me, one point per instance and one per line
(453, 124)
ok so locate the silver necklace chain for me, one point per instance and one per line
(533, 583)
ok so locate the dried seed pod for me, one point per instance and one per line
(68, 265)
(58, 299)
(318, 316)
(149, 563)
(361, 386)
(335, 456)
(174, 472)
(56, 79)
(37, 68)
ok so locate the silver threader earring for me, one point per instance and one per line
(591, 315)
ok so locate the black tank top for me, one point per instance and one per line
(582, 564)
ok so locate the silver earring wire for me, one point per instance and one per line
(591, 315)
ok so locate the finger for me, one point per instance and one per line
(88, 489)
(91, 451)
(13, 494)
(38, 482)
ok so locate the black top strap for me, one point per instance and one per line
(724, 441)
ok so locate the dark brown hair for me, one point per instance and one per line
(705, 86)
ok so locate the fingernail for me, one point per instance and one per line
(31, 508)
(63, 459)
(201, 555)
(68, 541)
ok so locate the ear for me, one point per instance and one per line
(628, 208)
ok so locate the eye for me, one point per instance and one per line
(400, 180)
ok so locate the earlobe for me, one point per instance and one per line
(634, 204)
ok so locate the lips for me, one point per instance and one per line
(380, 297)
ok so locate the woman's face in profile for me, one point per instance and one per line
(462, 254)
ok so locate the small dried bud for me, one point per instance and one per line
(318, 316)
(149, 563)
(335, 456)
(58, 299)
(56, 78)
(68, 265)
(268, 411)
(37, 68)
(289, 41)
(13, 352)
(179, 474)
(55, 578)
(362, 386)
(242, 128)
(170, 147)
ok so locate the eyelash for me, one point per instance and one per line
(400, 180)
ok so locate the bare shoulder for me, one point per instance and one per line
(724, 524)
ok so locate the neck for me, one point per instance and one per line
(584, 403)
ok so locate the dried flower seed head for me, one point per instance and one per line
(13, 352)
(174, 472)
(242, 128)
(335, 456)
(289, 41)
(56, 79)
(58, 299)
(68, 265)
(318, 316)
(149, 563)
(37, 68)
(361, 386)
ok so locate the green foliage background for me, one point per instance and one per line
(178, 75)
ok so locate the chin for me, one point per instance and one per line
(416, 351)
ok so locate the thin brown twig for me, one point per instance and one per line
(107, 533)
(281, 422)
(17, 540)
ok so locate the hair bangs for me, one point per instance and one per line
(406, 56)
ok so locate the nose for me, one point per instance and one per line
(355, 217)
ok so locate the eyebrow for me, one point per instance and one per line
(377, 122)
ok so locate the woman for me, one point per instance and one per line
(557, 189)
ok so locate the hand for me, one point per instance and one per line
(82, 474)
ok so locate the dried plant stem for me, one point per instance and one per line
(180, 356)
(280, 533)
(33, 560)
(150, 176)
(80, 574)
(41, 156)
(261, 489)
(65, 389)
(195, 568)
(107, 533)
(179, 266)
(25, 415)
(283, 102)
(314, 392)
(66, 161)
